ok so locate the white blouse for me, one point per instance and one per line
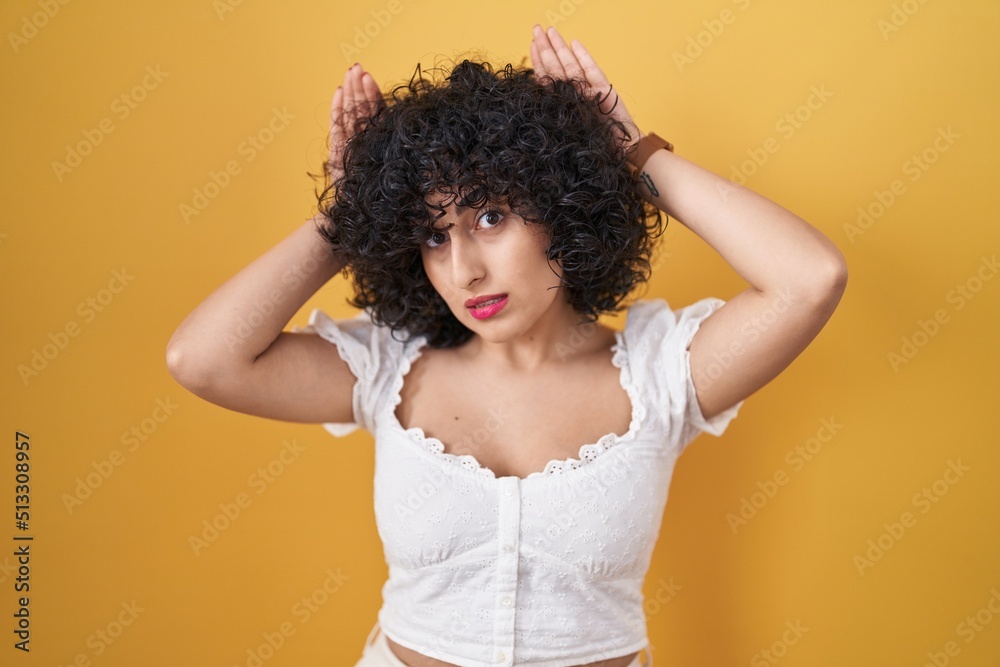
(545, 570)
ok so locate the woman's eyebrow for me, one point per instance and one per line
(437, 216)
(459, 209)
(462, 209)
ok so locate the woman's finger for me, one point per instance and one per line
(347, 95)
(351, 85)
(337, 136)
(367, 98)
(609, 101)
(536, 61)
(547, 55)
(593, 73)
(372, 94)
(570, 64)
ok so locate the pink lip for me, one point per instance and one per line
(469, 303)
(488, 311)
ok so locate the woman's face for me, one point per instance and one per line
(492, 251)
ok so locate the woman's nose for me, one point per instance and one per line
(466, 265)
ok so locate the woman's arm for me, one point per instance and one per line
(231, 349)
(797, 275)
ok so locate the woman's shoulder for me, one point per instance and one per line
(643, 313)
(656, 313)
(360, 325)
(362, 341)
(655, 332)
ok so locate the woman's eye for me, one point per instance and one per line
(491, 217)
(432, 243)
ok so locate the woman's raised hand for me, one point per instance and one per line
(354, 103)
(551, 57)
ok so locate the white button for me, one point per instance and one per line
(510, 492)
(501, 657)
(508, 547)
(506, 600)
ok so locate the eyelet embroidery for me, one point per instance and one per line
(587, 453)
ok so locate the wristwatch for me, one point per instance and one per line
(640, 151)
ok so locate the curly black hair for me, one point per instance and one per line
(539, 145)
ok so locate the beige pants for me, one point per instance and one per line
(378, 654)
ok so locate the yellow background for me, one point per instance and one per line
(62, 236)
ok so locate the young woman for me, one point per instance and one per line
(522, 451)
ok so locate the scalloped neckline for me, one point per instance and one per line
(554, 467)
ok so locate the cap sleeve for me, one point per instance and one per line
(671, 332)
(363, 346)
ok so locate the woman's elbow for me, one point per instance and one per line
(186, 369)
(829, 279)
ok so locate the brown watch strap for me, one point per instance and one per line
(645, 147)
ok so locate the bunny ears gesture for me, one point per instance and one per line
(552, 57)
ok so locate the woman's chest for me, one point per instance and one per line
(514, 426)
